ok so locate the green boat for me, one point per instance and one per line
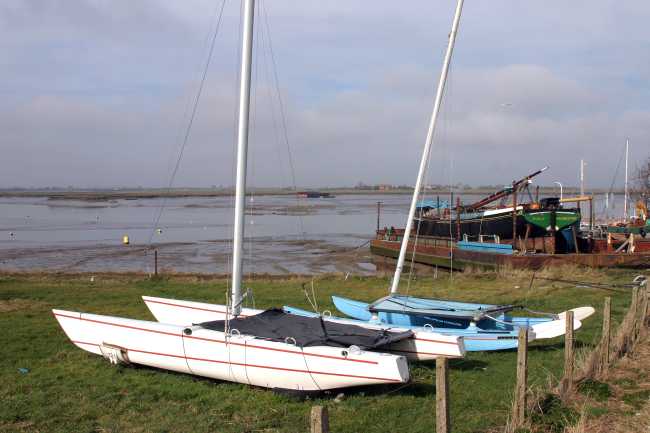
(544, 219)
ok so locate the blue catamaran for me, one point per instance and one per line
(484, 326)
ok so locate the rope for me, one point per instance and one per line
(610, 287)
(500, 321)
(312, 301)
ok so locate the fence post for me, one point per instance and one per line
(519, 409)
(320, 420)
(155, 262)
(634, 310)
(442, 396)
(606, 336)
(567, 380)
(646, 313)
(644, 306)
(641, 309)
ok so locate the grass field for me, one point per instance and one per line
(69, 390)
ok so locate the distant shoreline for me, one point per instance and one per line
(134, 194)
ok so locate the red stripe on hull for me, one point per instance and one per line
(221, 341)
(248, 365)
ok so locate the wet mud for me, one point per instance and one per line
(262, 256)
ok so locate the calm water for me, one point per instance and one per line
(282, 234)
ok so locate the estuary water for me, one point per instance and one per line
(283, 234)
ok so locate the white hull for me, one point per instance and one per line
(236, 358)
(424, 346)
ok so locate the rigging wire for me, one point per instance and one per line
(611, 186)
(190, 123)
(283, 117)
(422, 193)
(252, 136)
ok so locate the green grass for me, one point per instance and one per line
(637, 399)
(69, 390)
(598, 391)
(554, 416)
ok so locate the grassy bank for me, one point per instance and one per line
(68, 390)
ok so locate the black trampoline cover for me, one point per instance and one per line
(277, 325)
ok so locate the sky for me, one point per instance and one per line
(97, 93)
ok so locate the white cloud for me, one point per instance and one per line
(93, 93)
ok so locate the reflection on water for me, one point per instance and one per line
(283, 234)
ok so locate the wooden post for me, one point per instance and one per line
(442, 396)
(635, 307)
(635, 299)
(438, 205)
(320, 420)
(155, 262)
(606, 337)
(628, 327)
(646, 305)
(519, 409)
(567, 380)
(591, 212)
(609, 242)
(378, 213)
(514, 214)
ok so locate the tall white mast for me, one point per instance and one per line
(427, 147)
(627, 148)
(242, 148)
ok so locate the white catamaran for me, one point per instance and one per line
(269, 348)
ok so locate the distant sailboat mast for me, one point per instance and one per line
(242, 148)
(427, 148)
(627, 149)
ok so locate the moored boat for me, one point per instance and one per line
(301, 354)
(449, 316)
(429, 340)
(546, 217)
(423, 345)
(230, 356)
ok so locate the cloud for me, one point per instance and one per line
(94, 93)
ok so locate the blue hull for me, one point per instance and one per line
(475, 339)
(485, 335)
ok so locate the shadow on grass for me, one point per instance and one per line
(415, 389)
(467, 364)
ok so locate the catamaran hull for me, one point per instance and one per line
(235, 358)
(425, 345)
(503, 336)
